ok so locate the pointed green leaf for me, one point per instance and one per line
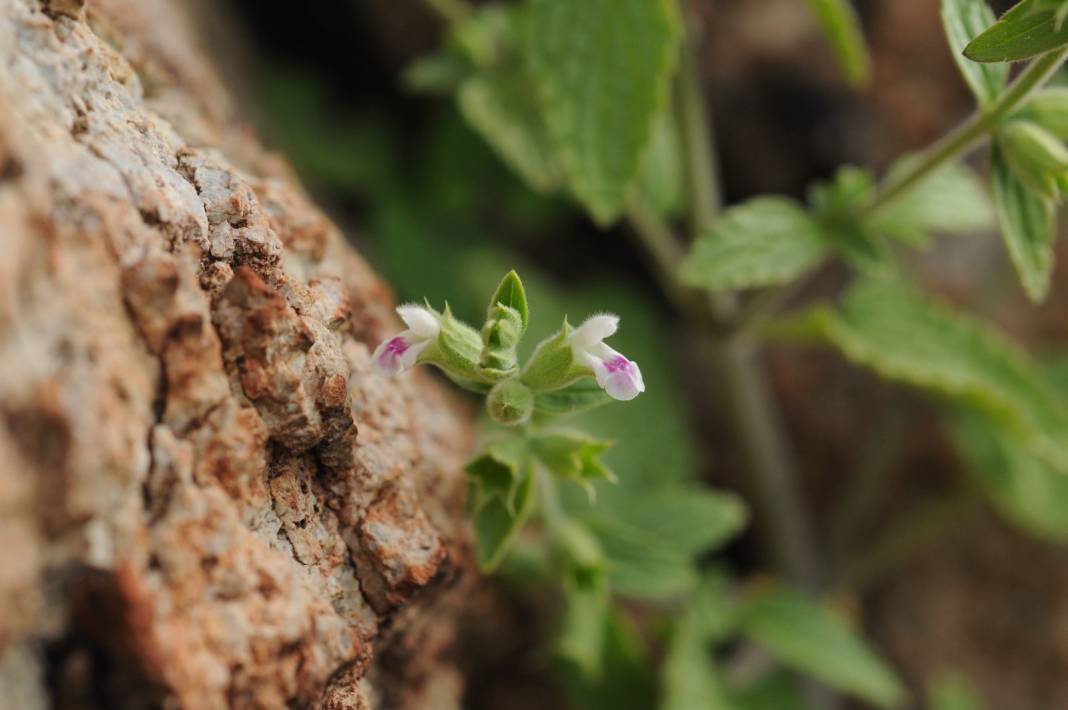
(842, 27)
(951, 201)
(808, 636)
(625, 681)
(510, 293)
(582, 630)
(964, 20)
(652, 537)
(1020, 485)
(766, 241)
(1028, 29)
(573, 455)
(775, 690)
(906, 337)
(663, 180)
(502, 108)
(689, 677)
(496, 526)
(578, 397)
(603, 68)
(1027, 227)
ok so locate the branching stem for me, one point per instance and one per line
(970, 133)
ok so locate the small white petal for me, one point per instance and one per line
(594, 330)
(407, 360)
(421, 321)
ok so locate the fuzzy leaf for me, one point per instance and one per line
(808, 636)
(603, 68)
(582, 631)
(502, 108)
(1028, 29)
(842, 27)
(1023, 487)
(766, 241)
(1027, 227)
(951, 201)
(580, 396)
(905, 337)
(689, 676)
(574, 456)
(496, 526)
(651, 537)
(663, 181)
(510, 293)
(964, 20)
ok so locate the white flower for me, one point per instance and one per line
(615, 374)
(401, 351)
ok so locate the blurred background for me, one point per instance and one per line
(433, 208)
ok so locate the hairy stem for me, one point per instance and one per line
(969, 134)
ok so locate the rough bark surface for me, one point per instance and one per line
(206, 499)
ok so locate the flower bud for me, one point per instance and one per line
(510, 402)
(456, 351)
(1049, 109)
(500, 336)
(1035, 156)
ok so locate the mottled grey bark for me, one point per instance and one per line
(206, 499)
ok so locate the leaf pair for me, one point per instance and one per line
(771, 241)
(503, 481)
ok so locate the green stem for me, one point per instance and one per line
(772, 469)
(969, 134)
(702, 173)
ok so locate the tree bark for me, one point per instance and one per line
(206, 499)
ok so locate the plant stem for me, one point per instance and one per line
(770, 462)
(702, 173)
(969, 134)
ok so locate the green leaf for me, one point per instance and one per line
(842, 27)
(496, 471)
(1026, 30)
(625, 681)
(906, 337)
(503, 110)
(496, 526)
(808, 636)
(1035, 156)
(574, 456)
(1022, 487)
(510, 293)
(580, 396)
(582, 629)
(662, 182)
(963, 21)
(952, 692)
(776, 690)
(951, 201)
(651, 537)
(1027, 227)
(603, 68)
(689, 677)
(766, 241)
